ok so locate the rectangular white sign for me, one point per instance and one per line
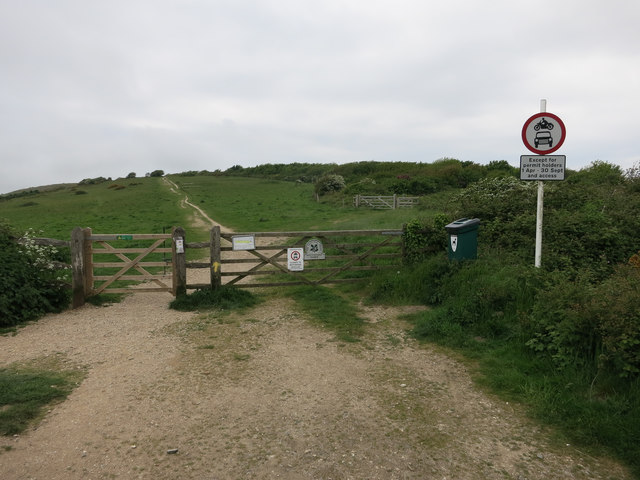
(295, 259)
(243, 242)
(542, 167)
(179, 245)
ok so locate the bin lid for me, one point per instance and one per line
(463, 225)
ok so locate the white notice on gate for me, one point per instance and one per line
(295, 259)
(243, 242)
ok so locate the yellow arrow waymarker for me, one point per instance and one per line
(216, 266)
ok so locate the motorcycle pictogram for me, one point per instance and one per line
(543, 124)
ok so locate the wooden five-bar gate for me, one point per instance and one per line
(384, 202)
(119, 263)
(335, 256)
(114, 263)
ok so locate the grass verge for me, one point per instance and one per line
(528, 334)
(25, 391)
(600, 415)
(330, 309)
(105, 299)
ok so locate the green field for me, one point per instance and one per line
(141, 205)
(147, 205)
(255, 204)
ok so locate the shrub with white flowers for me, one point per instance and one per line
(41, 256)
(31, 284)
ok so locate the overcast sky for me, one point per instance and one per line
(106, 87)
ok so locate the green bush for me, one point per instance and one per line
(30, 285)
(416, 186)
(94, 181)
(421, 240)
(590, 221)
(329, 183)
(365, 186)
(616, 306)
(598, 173)
(561, 326)
(488, 297)
(419, 283)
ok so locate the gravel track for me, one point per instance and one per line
(266, 394)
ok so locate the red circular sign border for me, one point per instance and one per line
(538, 115)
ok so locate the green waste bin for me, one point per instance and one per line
(463, 239)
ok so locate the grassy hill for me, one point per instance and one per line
(147, 205)
(258, 204)
(144, 205)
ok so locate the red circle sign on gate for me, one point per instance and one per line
(543, 133)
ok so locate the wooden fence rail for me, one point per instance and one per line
(329, 256)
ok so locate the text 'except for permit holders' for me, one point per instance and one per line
(542, 167)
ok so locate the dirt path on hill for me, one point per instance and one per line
(263, 395)
(200, 219)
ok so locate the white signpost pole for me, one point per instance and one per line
(537, 137)
(538, 259)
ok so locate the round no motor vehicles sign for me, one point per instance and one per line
(543, 133)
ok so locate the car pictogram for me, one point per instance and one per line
(543, 138)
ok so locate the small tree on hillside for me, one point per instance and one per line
(329, 183)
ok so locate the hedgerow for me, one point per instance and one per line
(30, 284)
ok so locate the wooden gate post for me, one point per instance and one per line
(404, 243)
(77, 267)
(216, 258)
(179, 262)
(88, 262)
